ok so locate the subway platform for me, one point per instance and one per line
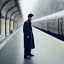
(48, 50)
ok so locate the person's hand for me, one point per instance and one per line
(27, 36)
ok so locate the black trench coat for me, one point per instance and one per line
(27, 29)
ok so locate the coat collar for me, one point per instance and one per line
(29, 21)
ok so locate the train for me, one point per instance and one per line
(53, 23)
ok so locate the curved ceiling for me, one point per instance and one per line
(3, 3)
(12, 11)
(15, 15)
(9, 9)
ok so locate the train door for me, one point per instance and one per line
(60, 24)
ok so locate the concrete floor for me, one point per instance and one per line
(49, 50)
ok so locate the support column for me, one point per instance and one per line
(11, 26)
(2, 27)
(7, 27)
(14, 25)
(17, 25)
(0, 23)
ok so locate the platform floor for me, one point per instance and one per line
(49, 50)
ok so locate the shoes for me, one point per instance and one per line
(31, 55)
(27, 57)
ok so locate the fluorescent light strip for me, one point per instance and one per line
(50, 16)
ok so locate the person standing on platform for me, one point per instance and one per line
(28, 37)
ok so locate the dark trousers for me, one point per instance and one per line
(27, 51)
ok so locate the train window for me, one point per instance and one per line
(54, 20)
(60, 24)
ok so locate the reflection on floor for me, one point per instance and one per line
(12, 52)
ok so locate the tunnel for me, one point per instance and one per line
(44, 30)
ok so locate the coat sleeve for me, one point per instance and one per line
(26, 29)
